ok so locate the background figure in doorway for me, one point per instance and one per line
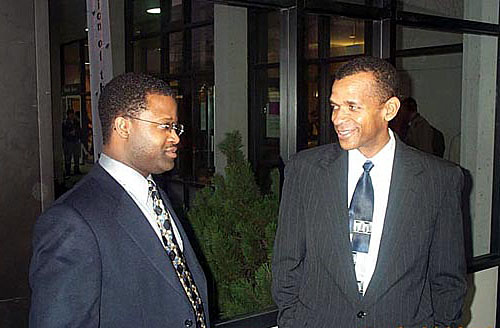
(416, 131)
(71, 143)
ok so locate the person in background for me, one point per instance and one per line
(416, 131)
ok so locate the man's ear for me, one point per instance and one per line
(121, 126)
(391, 108)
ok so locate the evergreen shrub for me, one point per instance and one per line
(235, 226)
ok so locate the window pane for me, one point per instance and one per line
(87, 67)
(204, 148)
(311, 37)
(175, 55)
(409, 38)
(273, 104)
(273, 37)
(313, 117)
(483, 11)
(347, 37)
(177, 12)
(203, 48)
(182, 167)
(266, 42)
(71, 54)
(147, 18)
(147, 56)
(455, 93)
(202, 10)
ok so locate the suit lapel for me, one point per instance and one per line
(405, 173)
(335, 228)
(132, 220)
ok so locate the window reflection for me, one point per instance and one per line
(202, 10)
(204, 151)
(273, 37)
(328, 41)
(175, 52)
(203, 48)
(73, 148)
(313, 117)
(147, 56)
(454, 86)
(347, 37)
(71, 54)
(146, 19)
(273, 105)
(177, 12)
(311, 37)
(482, 11)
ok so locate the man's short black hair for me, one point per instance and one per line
(126, 95)
(385, 74)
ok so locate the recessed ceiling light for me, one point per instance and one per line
(154, 10)
(86, 29)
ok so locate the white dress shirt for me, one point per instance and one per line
(381, 180)
(137, 187)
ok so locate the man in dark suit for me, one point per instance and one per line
(111, 252)
(370, 230)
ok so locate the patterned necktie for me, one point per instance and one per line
(164, 221)
(361, 215)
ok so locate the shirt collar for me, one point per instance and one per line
(380, 159)
(131, 180)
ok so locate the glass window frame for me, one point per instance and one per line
(186, 76)
(446, 24)
(387, 10)
(385, 17)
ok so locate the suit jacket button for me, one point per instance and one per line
(361, 314)
(188, 323)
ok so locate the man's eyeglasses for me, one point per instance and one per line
(177, 127)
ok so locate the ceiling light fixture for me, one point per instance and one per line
(154, 11)
(353, 34)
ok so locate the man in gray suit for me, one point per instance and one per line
(111, 252)
(370, 230)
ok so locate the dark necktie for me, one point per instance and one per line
(361, 211)
(164, 221)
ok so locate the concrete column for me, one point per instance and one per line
(476, 153)
(25, 136)
(480, 302)
(231, 77)
(477, 123)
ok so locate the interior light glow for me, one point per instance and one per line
(154, 11)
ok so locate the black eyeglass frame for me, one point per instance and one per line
(177, 127)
